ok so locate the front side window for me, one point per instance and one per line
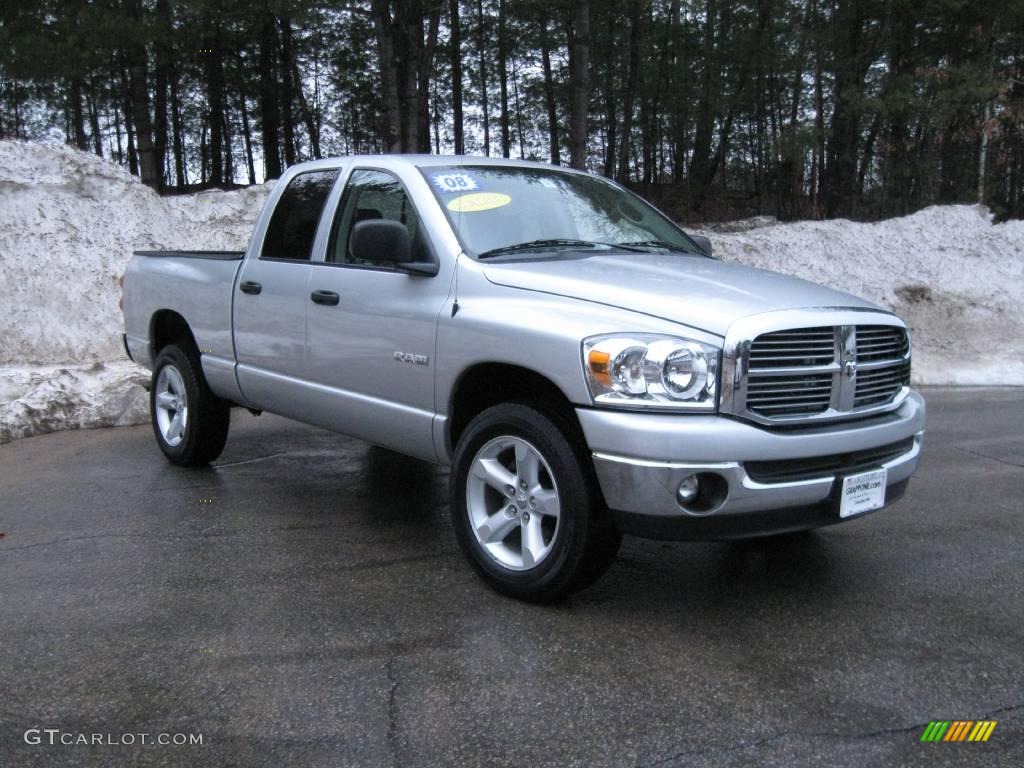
(292, 227)
(497, 207)
(371, 195)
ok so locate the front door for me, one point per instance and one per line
(370, 356)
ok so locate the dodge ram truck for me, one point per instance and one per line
(585, 367)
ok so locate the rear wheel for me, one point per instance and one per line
(189, 421)
(525, 506)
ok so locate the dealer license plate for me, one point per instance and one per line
(862, 493)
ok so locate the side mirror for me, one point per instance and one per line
(702, 242)
(382, 241)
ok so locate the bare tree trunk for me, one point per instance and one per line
(506, 137)
(868, 155)
(391, 132)
(426, 68)
(983, 151)
(610, 118)
(409, 23)
(705, 119)
(307, 114)
(149, 169)
(287, 91)
(204, 156)
(679, 116)
(269, 114)
(482, 46)
(247, 138)
(456, 64)
(295, 87)
(177, 141)
(632, 81)
(214, 75)
(818, 166)
(94, 120)
(129, 129)
(229, 154)
(164, 66)
(77, 118)
(549, 94)
(117, 133)
(579, 67)
(849, 55)
(519, 112)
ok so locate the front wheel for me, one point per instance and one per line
(525, 506)
(189, 421)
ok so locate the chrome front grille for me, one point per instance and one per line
(805, 346)
(881, 342)
(821, 371)
(881, 385)
(786, 395)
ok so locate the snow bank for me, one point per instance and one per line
(70, 220)
(957, 280)
(40, 399)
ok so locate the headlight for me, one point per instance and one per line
(643, 370)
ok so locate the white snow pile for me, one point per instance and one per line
(70, 220)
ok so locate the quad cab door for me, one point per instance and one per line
(271, 295)
(371, 328)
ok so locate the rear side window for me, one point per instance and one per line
(292, 228)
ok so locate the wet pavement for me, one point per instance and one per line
(303, 602)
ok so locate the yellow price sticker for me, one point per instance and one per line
(479, 201)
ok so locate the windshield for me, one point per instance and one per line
(495, 208)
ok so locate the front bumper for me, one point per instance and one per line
(640, 459)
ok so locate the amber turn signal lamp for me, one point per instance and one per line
(598, 362)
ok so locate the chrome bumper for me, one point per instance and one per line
(640, 459)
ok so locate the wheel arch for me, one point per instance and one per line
(169, 327)
(486, 384)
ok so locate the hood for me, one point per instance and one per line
(691, 290)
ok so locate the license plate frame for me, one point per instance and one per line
(861, 493)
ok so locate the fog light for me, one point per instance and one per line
(688, 490)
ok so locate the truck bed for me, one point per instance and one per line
(198, 288)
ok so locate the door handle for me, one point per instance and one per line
(330, 298)
(250, 287)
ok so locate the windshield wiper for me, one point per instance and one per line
(535, 244)
(660, 244)
(559, 242)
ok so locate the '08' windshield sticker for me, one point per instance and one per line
(454, 182)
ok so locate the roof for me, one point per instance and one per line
(426, 161)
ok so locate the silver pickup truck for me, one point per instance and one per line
(585, 367)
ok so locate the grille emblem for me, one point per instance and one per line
(850, 368)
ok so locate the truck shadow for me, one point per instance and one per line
(721, 575)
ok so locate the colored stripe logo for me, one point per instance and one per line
(958, 730)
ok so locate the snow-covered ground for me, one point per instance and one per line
(70, 220)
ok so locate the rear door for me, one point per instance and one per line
(370, 356)
(271, 296)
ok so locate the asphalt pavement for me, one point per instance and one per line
(303, 603)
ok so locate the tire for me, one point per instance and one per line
(512, 538)
(189, 421)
